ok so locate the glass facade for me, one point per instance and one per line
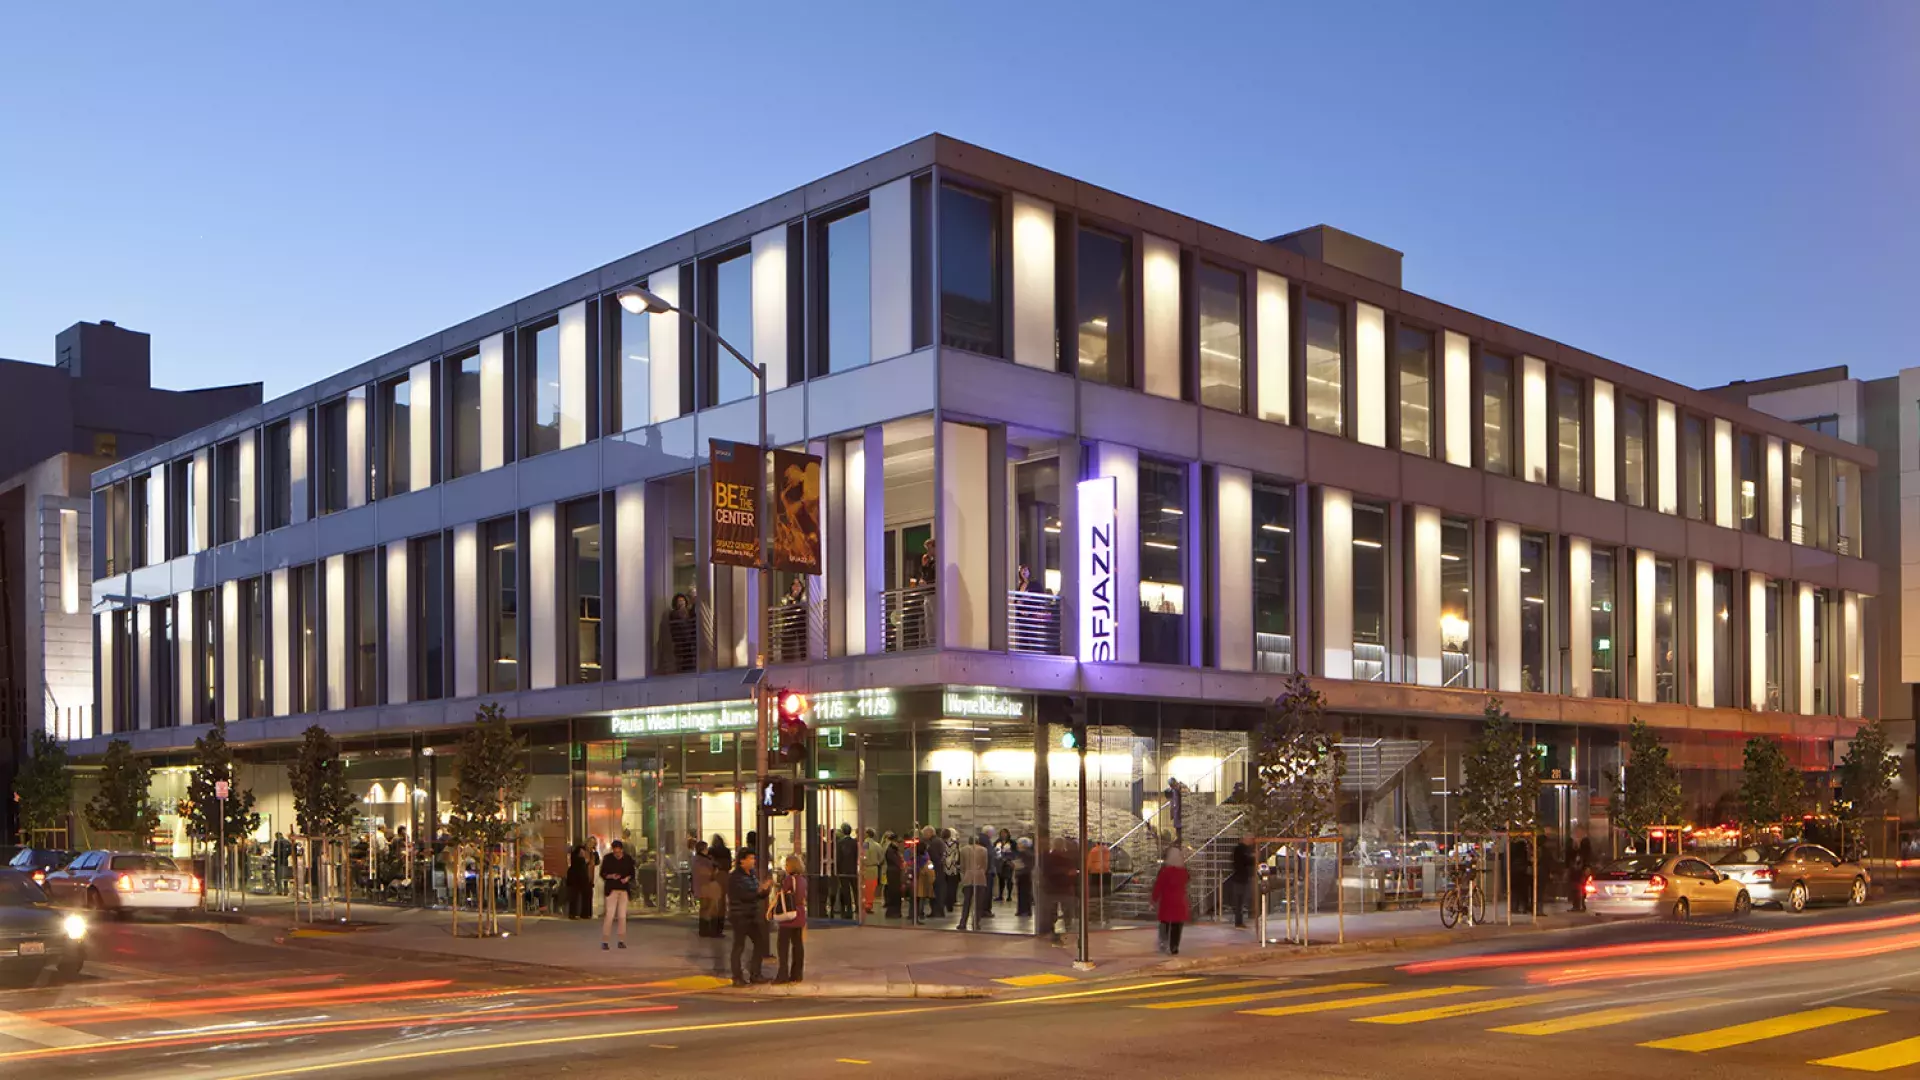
(1749, 479)
(541, 363)
(1569, 412)
(847, 293)
(1666, 631)
(1103, 307)
(1369, 592)
(1456, 603)
(1634, 451)
(1273, 577)
(1223, 338)
(1163, 571)
(502, 553)
(630, 397)
(1602, 630)
(730, 310)
(1413, 374)
(1536, 589)
(970, 271)
(1326, 344)
(1695, 466)
(463, 393)
(1496, 413)
(585, 592)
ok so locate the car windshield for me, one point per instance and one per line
(1760, 853)
(1637, 864)
(18, 890)
(147, 864)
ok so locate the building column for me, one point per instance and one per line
(1579, 616)
(663, 345)
(1333, 585)
(1601, 445)
(358, 423)
(1776, 485)
(1034, 304)
(890, 239)
(1704, 616)
(1423, 587)
(335, 594)
(1160, 327)
(963, 524)
(542, 601)
(249, 486)
(420, 412)
(399, 625)
(1534, 419)
(1666, 458)
(1273, 348)
(231, 680)
(1506, 592)
(202, 496)
(466, 610)
(861, 487)
(632, 629)
(282, 655)
(1233, 569)
(144, 674)
(1852, 655)
(1123, 464)
(1756, 641)
(1369, 375)
(186, 682)
(1803, 650)
(1722, 506)
(493, 397)
(1458, 388)
(770, 285)
(1643, 646)
(109, 720)
(299, 491)
(573, 374)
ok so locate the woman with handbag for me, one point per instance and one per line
(789, 915)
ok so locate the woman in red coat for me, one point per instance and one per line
(1170, 896)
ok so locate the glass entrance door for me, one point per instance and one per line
(833, 850)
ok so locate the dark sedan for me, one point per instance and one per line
(35, 935)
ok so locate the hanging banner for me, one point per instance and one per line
(735, 468)
(1099, 597)
(796, 512)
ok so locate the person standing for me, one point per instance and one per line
(616, 876)
(872, 856)
(707, 887)
(1003, 851)
(846, 872)
(1023, 878)
(579, 884)
(790, 921)
(973, 882)
(893, 864)
(933, 861)
(746, 910)
(1240, 881)
(1579, 867)
(282, 856)
(1170, 896)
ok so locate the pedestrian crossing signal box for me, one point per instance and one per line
(782, 795)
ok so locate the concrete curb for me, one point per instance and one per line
(1405, 942)
(863, 989)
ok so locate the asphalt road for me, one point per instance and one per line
(1776, 995)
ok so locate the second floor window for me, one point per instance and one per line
(1223, 337)
(729, 307)
(502, 611)
(1326, 341)
(1413, 374)
(1103, 307)
(970, 271)
(276, 475)
(1633, 451)
(540, 360)
(463, 412)
(394, 473)
(332, 424)
(846, 286)
(1496, 413)
(1693, 468)
(1749, 481)
(1163, 532)
(226, 482)
(1569, 409)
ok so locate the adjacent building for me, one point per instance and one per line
(1305, 467)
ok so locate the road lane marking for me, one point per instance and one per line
(1268, 995)
(1739, 1034)
(1607, 1017)
(697, 982)
(1042, 979)
(41, 1033)
(1362, 1001)
(1893, 1055)
(1211, 986)
(851, 1061)
(1469, 1008)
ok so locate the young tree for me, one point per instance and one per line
(1771, 790)
(1647, 790)
(120, 805)
(1297, 766)
(1499, 777)
(43, 787)
(491, 781)
(214, 762)
(322, 805)
(1866, 774)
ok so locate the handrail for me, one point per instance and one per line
(1148, 820)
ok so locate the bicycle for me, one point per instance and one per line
(1464, 896)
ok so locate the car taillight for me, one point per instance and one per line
(39, 877)
(1765, 873)
(194, 884)
(123, 883)
(1656, 884)
(1589, 887)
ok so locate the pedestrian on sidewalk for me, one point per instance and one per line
(616, 874)
(872, 856)
(1170, 896)
(746, 910)
(790, 920)
(1023, 878)
(1003, 852)
(707, 888)
(579, 884)
(893, 864)
(984, 838)
(933, 861)
(1579, 868)
(925, 893)
(846, 872)
(1240, 881)
(949, 868)
(973, 881)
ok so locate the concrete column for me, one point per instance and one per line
(282, 654)
(1160, 332)
(230, 670)
(1334, 581)
(1666, 458)
(335, 593)
(466, 610)
(202, 497)
(1803, 650)
(143, 677)
(420, 411)
(1035, 320)
(1643, 647)
(1579, 616)
(863, 486)
(1273, 348)
(1423, 587)
(770, 304)
(1852, 655)
(965, 541)
(632, 626)
(542, 602)
(1705, 615)
(1723, 481)
(890, 236)
(357, 421)
(1370, 374)
(186, 663)
(573, 374)
(1233, 569)
(249, 487)
(109, 719)
(157, 516)
(493, 399)
(1776, 484)
(1603, 448)
(663, 345)
(1458, 386)
(1534, 420)
(1506, 597)
(399, 624)
(1757, 641)
(299, 480)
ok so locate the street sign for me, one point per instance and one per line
(220, 788)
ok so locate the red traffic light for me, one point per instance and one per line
(791, 703)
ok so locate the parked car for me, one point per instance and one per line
(125, 881)
(1678, 885)
(1795, 875)
(33, 935)
(38, 862)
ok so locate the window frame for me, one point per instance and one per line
(1304, 300)
(1507, 440)
(1200, 266)
(819, 308)
(1397, 398)
(525, 382)
(999, 204)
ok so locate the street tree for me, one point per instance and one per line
(213, 762)
(120, 806)
(43, 788)
(1499, 777)
(1647, 788)
(490, 783)
(1771, 790)
(322, 804)
(1297, 766)
(1866, 776)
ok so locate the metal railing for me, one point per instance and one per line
(1273, 653)
(911, 616)
(789, 633)
(1033, 622)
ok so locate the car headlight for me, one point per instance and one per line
(75, 926)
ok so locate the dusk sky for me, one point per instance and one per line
(1706, 191)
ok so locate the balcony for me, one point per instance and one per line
(1033, 622)
(1273, 653)
(911, 617)
(791, 630)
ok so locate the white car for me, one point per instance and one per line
(124, 881)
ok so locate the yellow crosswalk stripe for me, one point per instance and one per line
(1361, 1001)
(1469, 1008)
(1042, 979)
(1607, 1017)
(1268, 995)
(1893, 1055)
(1737, 1034)
(1211, 986)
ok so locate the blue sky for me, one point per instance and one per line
(1705, 190)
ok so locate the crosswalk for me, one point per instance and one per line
(1868, 1038)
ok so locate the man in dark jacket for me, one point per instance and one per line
(747, 911)
(1240, 881)
(846, 871)
(616, 875)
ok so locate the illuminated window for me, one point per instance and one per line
(1413, 371)
(1103, 294)
(394, 473)
(1569, 408)
(585, 591)
(1223, 337)
(1633, 451)
(1693, 468)
(1369, 592)
(1601, 625)
(503, 605)
(1326, 341)
(1163, 536)
(1456, 602)
(1666, 626)
(1749, 480)
(1534, 613)
(1273, 578)
(1496, 413)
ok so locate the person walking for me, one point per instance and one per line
(616, 875)
(973, 882)
(1240, 881)
(746, 910)
(282, 857)
(1170, 896)
(707, 888)
(790, 921)
(872, 856)
(949, 870)
(579, 884)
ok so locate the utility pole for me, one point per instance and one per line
(1085, 961)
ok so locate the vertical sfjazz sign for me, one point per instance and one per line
(1099, 571)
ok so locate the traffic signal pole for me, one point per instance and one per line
(1085, 962)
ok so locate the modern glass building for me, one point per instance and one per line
(1305, 466)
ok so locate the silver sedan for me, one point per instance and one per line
(1795, 875)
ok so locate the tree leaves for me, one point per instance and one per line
(1297, 766)
(214, 762)
(322, 805)
(120, 804)
(1499, 777)
(492, 780)
(1647, 790)
(43, 787)
(1771, 789)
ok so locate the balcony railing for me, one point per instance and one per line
(1273, 653)
(1033, 622)
(912, 617)
(791, 630)
(1369, 662)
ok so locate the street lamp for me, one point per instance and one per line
(636, 300)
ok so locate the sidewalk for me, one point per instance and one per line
(873, 961)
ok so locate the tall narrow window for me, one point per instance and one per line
(729, 305)
(1369, 592)
(206, 643)
(303, 593)
(585, 590)
(629, 389)
(1722, 639)
(424, 578)
(276, 475)
(1693, 468)
(1103, 294)
(394, 474)
(137, 506)
(1456, 602)
(166, 664)
(1601, 624)
(364, 647)
(1796, 494)
(226, 492)
(1748, 456)
(253, 647)
(1569, 409)
(1666, 628)
(1534, 614)
(1326, 341)
(1846, 508)
(540, 361)
(1633, 450)
(1223, 350)
(1413, 370)
(503, 606)
(1163, 535)
(119, 529)
(1034, 616)
(463, 412)
(1496, 413)
(1774, 650)
(179, 507)
(1273, 578)
(970, 271)
(333, 456)
(846, 300)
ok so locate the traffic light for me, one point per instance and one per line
(1070, 713)
(789, 710)
(782, 795)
